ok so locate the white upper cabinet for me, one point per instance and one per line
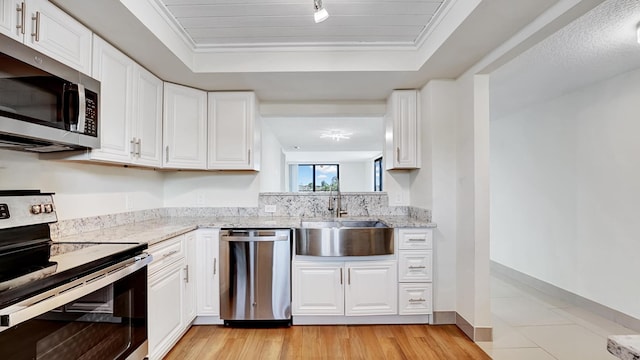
(130, 109)
(11, 18)
(185, 127)
(233, 131)
(147, 119)
(114, 70)
(402, 126)
(42, 26)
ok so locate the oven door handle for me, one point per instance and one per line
(54, 298)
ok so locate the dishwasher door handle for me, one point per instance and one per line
(254, 238)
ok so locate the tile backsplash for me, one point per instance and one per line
(286, 204)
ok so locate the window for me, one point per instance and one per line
(315, 177)
(377, 174)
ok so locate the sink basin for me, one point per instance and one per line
(344, 238)
(343, 224)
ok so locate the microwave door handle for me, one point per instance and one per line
(82, 109)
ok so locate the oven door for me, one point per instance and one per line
(100, 316)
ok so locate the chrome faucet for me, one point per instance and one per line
(338, 199)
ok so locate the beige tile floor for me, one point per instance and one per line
(530, 325)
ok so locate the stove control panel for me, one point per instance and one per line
(26, 210)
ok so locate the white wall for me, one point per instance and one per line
(472, 201)
(271, 166)
(216, 189)
(566, 189)
(82, 189)
(434, 185)
(356, 176)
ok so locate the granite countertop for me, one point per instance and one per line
(157, 230)
(626, 347)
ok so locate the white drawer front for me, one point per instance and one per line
(166, 252)
(415, 239)
(415, 299)
(415, 266)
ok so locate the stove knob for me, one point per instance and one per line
(48, 208)
(36, 209)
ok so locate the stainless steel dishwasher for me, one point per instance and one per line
(255, 276)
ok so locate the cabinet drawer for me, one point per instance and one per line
(166, 252)
(415, 266)
(415, 299)
(415, 239)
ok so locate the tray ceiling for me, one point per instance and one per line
(251, 23)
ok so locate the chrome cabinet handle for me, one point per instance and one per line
(249, 156)
(36, 18)
(186, 274)
(417, 300)
(214, 265)
(167, 156)
(349, 276)
(340, 276)
(20, 8)
(173, 252)
(139, 147)
(132, 148)
(417, 267)
(418, 239)
(398, 154)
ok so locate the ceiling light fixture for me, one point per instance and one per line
(336, 135)
(320, 13)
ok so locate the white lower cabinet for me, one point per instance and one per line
(207, 276)
(345, 288)
(171, 293)
(318, 288)
(165, 320)
(415, 271)
(371, 288)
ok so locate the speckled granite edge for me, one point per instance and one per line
(626, 347)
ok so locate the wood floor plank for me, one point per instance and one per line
(340, 342)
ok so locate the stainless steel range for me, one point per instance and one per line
(90, 303)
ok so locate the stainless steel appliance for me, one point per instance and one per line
(45, 106)
(255, 276)
(90, 303)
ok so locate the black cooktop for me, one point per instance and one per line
(65, 268)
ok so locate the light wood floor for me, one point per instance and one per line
(327, 342)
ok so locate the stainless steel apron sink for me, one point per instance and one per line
(344, 238)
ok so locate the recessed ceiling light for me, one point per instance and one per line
(296, 147)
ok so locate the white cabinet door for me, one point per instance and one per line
(232, 131)
(54, 33)
(371, 288)
(114, 70)
(11, 19)
(147, 118)
(165, 321)
(189, 305)
(207, 272)
(184, 127)
(402, 130)
(318, 288)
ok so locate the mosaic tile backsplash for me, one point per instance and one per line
(286, 204)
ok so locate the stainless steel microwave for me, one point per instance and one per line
(45, 106)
